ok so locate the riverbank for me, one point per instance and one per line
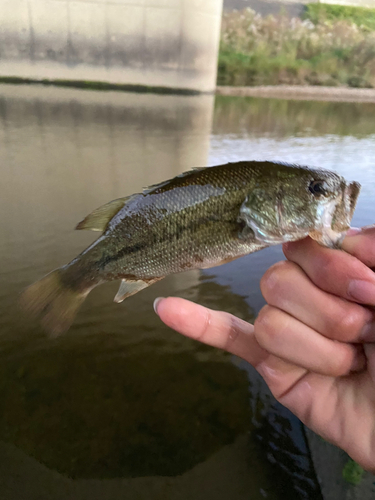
(329, 48)
(301, 92)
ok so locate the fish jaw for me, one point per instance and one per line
(336, 217)
(345, 210)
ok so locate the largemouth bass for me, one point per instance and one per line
(200, 219)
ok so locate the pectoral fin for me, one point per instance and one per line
(98, 219)
(128, 288)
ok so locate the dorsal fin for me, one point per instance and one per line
(147, 189)
(98, 219)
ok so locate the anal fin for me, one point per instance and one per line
(128, 288)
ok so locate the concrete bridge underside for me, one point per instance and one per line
(158, 43)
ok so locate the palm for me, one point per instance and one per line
(341, 410)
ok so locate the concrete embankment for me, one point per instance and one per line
(303, 92)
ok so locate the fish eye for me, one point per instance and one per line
(317, 188)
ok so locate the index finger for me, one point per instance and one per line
(334, 271)
(222, 330)
(215, 328)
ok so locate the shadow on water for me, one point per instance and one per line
(92, 407)
(95, 406)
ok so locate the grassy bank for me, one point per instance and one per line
(332, 46)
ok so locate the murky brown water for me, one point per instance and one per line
(121, 405)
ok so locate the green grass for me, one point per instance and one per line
(273, 50)
(352, 472)
(360, 16)
(236, 68)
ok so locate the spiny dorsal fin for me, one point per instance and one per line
(147, 189)
(98, 219)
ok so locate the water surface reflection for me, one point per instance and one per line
(122, 396)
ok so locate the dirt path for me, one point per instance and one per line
(306, 93)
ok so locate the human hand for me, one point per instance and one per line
(314, 343)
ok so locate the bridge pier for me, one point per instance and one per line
(156, 43)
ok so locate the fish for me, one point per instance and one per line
(200, 219)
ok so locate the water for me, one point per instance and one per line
(121, 405)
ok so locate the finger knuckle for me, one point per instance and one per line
(339, 364)
(276, 280)
(346, 323)
(234, 330)
(268, 326)
(203, 332)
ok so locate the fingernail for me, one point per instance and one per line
(156, 303)
(362, 291)
(353, 231)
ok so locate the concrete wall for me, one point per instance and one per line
(168, 43)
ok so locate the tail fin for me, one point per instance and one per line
(53, 302)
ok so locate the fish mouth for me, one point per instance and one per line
(345, 207)
(351, 193)
(337, 216)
